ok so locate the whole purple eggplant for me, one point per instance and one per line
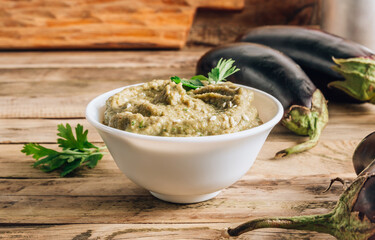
(353, 218)
(343, 70)
(364, 154)
(354, 214)
(269, 70)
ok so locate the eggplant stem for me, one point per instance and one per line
(338, 179)
(301, 147)
(343, 222)
(359, 74)
(305, 121)
(319, 223)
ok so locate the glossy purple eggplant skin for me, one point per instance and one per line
(313, 50)
(365, 203)
(263, 68)
(364, 154)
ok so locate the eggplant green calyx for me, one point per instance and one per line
(307, 122)
(359, 74)
(345, 222)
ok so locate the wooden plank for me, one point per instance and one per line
(16, 165)
(97, 59)
(146, 231)
(215, 4)
(39, 130)
(354, 110)
(70, 88)
(329, 157)
(146, 209)
(44, 130)
(254, 185)
(236, 203)
(101, 24)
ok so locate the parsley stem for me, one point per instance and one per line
(98, 153)
(72, 152)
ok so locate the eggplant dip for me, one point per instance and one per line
(166, 108)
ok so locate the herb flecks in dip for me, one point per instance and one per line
(164, 108)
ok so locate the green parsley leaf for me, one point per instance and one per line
(199, 77)
(37, 150)
(68, 140)
(76, 151)
(193, 83)
(176, 79)
(223, 69)
(213, 75)
(69, 167)
(93, 160)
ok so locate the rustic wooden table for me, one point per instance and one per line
(42, 89)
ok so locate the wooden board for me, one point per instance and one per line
(210, 27)
(42, 89)
(101, 23)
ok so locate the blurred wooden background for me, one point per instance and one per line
(212, 27)
(122, 24)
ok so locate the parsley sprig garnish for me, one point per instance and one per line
(223, 69)
(192, 83)
(76, 151)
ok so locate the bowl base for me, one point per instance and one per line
(185, 198)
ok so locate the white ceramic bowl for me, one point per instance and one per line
(186, 169)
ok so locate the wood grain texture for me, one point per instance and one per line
(252, 186)
(100, 59)
(330, 157)
(146, 209)
(117, 24)
(100, 24)
(32, 80)
(42, 89)
(213, 231)
(44, 130)
(100, 200)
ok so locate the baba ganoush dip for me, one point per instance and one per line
(164, 108)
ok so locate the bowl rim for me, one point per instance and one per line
(213, 138)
